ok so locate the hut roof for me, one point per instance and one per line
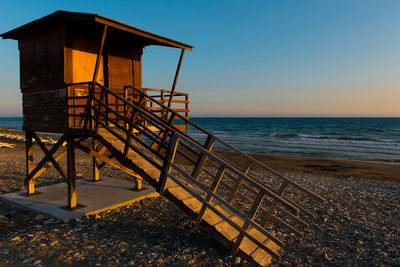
(147, 38)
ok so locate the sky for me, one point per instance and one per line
(251, 58)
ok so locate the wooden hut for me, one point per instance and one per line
(67, 48)
(67, 56)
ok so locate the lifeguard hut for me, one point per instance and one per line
(81, 77)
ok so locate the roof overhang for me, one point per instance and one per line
(152, 39)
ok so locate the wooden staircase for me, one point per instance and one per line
(244, 204)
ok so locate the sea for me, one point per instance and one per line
(365, 139)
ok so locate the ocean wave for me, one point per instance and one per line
(284, 135)
(346, 138)
(324, 137)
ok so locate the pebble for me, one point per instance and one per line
(37, 262)
(39, 217)
(156, 231)
(15, 238)
(52, 243)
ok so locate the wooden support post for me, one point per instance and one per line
(202, 160)
(178, 68)
(95, 161)
(213, 189)
(95, 73)
(246, 226)
(29, 162)
(72, 192)
(138, 183)
(172, 147)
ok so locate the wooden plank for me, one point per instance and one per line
(273, 205)
(178, 68)
(223, 202)
(213, 189)
(29, 163)
(95, 162)
(46, 158)
(202, 160)
(95, 73)
(133, 119)
(239, 182)
(72, 191)
(49, 164)
(224, 217)
(172, 147)
(49, 156)
(122, 139)
(246, 226)
(105, 159)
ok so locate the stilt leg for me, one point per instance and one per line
(96, 173)
(138, 183)
(29, 162)
(72, 192)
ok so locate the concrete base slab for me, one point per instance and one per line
(93, 197)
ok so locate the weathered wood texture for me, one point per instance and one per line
(44, 109)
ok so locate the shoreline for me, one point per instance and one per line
(330, 167)
(335, 168)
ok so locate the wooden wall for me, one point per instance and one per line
(42, 78)
(120, 63)
(66, 53)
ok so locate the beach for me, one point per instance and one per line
(358, 224)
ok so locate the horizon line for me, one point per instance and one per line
(259, 116)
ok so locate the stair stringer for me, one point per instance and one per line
(204, 224)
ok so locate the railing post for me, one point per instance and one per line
(133, 119)
(203, 157)
(246, 226)
(239, 182)
(268, 216)
(125, 106)
(172, 147)
(213, 189)
(187, 111)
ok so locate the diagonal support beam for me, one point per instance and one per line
(46, 158)
(49, 155)
(100, 156)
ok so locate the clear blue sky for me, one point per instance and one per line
(251, 58)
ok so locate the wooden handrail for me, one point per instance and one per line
(145, 113)
(317, 197)
(183, 136)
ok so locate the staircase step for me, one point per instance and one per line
(222, 221)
